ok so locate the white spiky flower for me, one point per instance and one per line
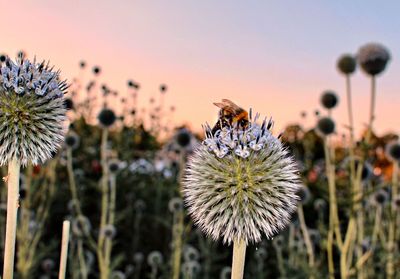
(32, 111)
(240, 184)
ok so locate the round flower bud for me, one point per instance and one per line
(319, 204)
(140, 206)
(191, 268)
(109, 231)
(81, 226)
(72, 140)
(241, 183)
(82, 64)
(381, 197)
(96, 70)
(183, 137)
(190, 253)
(393, 151)
(163, 88)
(32, 111)
(329, 99)
(114, 165)
(396, 202)
(107, 117)
(325, 126)
(373, 58)
(155, 259)
(175, 205)
(346, 64)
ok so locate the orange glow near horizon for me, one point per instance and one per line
(256, 65)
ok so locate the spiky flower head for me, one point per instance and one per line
(329, 99)
(393, 151)
(346, 64)
(325, 126)
(32, 111)
(373, 58)
(241, 183)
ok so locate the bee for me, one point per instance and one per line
(230, 115)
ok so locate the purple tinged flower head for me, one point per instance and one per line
(241, 183)
(32, 111)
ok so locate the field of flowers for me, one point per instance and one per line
(147, 199)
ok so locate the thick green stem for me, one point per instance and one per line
(238, 260)
(11, 223)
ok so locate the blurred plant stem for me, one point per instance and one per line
(32, 226)
(64, 249)
(334, 229)
(104, 266)
(76, 203)
(178, 225)
(391, 243)
(279, 258)
(307, 239)
(238, 259)
(12, 179)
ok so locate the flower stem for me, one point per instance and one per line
(64, 250)
(239, 255)
(306, 236)
(12, 210)
(390, 270)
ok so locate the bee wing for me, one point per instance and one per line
(232, 106)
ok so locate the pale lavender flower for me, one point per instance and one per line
(32, 111)
(241, 189)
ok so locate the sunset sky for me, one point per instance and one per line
(274, 56)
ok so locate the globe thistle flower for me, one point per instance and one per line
(346, 64)
(175, 205)
(183, 137)
(393, 151)
(163, 88)
(96, 70)
(81, 226)
(380, 197)
(373, 58)
(191, 268)
(329, 99)
(190, 253)
(396, 202)
(107, 117)
(32, 111)
(72, 140)
(241, 183)
(114, 166)
(109, 231)
(325, 126)
(320, 204)
(155, 259)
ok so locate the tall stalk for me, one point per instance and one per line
(239, 255)
(11, 223)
